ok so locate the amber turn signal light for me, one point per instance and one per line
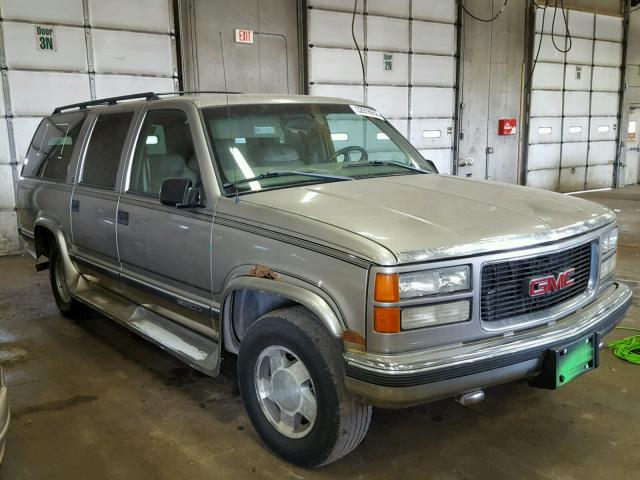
(386, 289)
(386, 320)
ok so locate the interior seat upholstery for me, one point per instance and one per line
(163, 166)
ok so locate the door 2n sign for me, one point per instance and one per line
(45, 38)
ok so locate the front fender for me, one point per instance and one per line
(291, 288)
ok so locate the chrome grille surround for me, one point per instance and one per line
(475, 330)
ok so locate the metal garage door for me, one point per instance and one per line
(575, 102)
(66, 51)
(409, 49)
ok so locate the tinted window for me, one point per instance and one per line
(52, 146)
(105, 148)
(164, 150)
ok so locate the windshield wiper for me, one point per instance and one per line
(384, 163)
(284, 173)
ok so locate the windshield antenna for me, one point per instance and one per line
(226, 92)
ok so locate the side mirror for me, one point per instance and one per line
(174, 191)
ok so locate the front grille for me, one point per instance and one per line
(505, 294)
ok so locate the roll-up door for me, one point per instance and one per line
(574, 101)
(66, 51)
(410, 53)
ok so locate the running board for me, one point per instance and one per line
(198, 351)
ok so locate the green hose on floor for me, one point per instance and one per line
(628, 348)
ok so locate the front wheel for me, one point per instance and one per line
(291, 377)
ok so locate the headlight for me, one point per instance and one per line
(438, 314)
(609, 241)
(433, 282)
(607, 267)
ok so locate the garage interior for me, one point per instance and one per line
(545, 95)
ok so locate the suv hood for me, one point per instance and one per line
(426, 217)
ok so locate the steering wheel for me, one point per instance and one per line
(346, 151)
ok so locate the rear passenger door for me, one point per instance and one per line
(46, 183)
(95, 198)
(165, 251)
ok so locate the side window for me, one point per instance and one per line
(52, 146)
(164, 150)
(105, 148)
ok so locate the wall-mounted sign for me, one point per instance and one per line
(46, 38)
(244, 36)
(387, 61)
(507, 126)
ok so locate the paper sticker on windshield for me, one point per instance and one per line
(268, 130)
(366, 111)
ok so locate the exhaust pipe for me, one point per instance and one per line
(470, 398)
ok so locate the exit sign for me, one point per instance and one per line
(244, 36)
(45, 38)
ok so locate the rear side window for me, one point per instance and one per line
(105, 148)
(52, 146)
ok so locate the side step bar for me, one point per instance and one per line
(198, 351)
(195, 349)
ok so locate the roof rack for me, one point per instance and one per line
(134, 96)
(191, 92)
(108, 101)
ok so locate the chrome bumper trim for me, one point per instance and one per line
(445, 363)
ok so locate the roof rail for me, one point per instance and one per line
(107, 101)
(190, 92)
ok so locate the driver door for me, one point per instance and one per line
(165, 251)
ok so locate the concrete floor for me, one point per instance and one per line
(91, 400)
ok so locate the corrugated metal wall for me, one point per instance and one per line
(575, 102)
(417, 91)
(101, 48)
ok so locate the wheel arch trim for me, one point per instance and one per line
(299, 294)
(71, 272)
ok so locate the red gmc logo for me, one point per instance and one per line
(551, 283)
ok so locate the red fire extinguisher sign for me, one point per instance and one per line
(507, 126)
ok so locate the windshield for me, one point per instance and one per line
(258, 147)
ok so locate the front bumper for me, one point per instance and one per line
(394, 381)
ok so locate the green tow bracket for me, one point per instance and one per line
(563, 364)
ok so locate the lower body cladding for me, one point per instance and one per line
(396, 381)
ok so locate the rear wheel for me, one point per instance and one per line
(291, 376)
(68, 306)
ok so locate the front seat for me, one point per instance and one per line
(163, 166)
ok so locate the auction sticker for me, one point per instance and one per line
(366, 111)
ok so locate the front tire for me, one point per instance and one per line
(291, 377)
(68, 306)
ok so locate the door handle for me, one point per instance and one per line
(75, 205)
(123, 217)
